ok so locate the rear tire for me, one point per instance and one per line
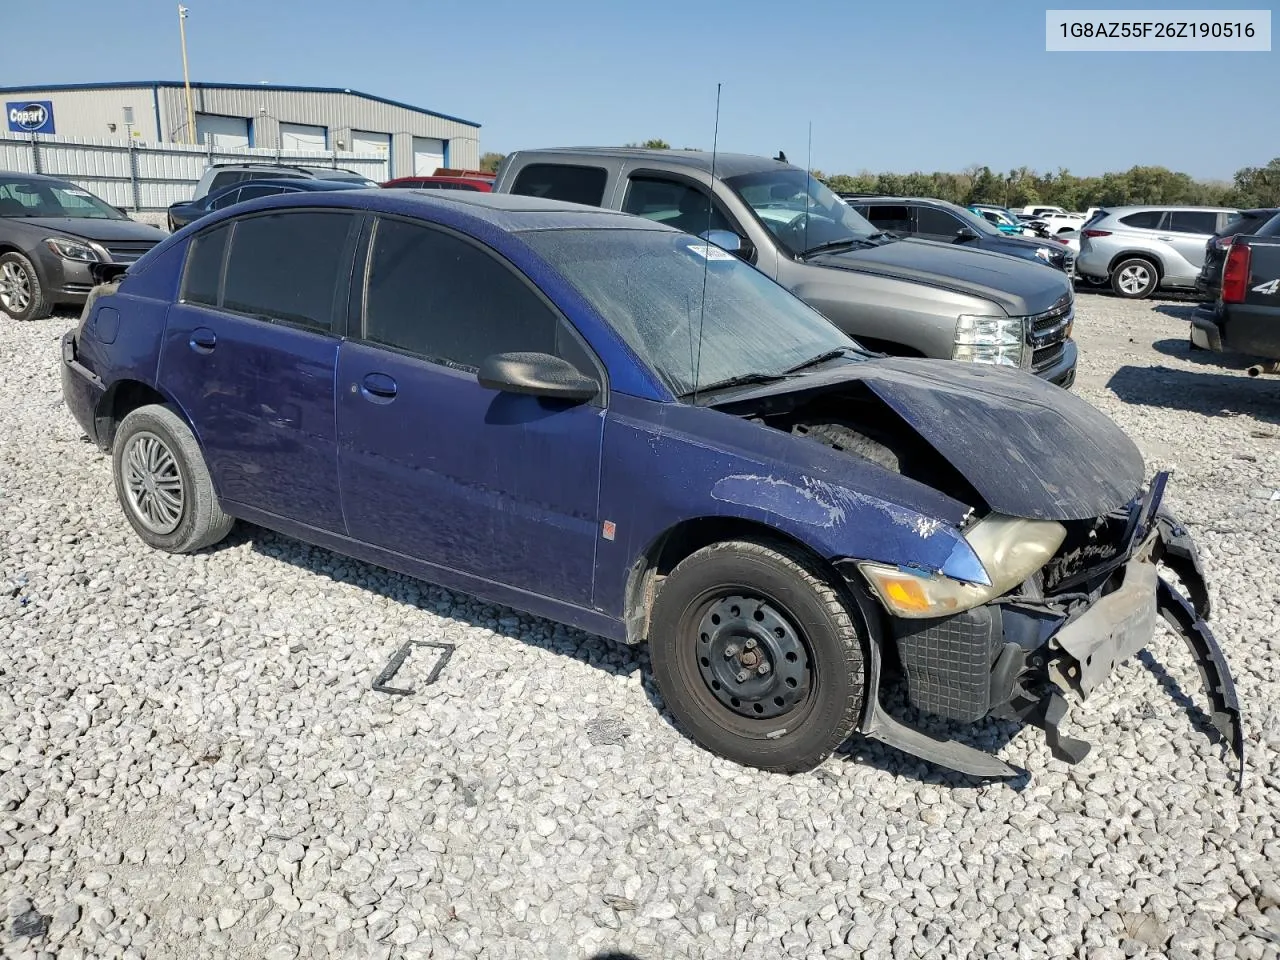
(1135, 278)
(725, 612)
(21, 295)
(163, 484)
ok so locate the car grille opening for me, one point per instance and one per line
(124, 251)
(1050, 329)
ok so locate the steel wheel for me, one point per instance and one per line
(751, 658)
(153, 483)
(15, 288)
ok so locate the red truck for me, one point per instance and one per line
(446, 178)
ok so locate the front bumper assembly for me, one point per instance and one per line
(1032, 680)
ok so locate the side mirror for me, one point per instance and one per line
(536, 375)
(965, 234)
(731, 242)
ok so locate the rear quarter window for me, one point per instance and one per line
(562, 181)
(204, 266)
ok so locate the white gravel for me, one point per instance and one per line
(193, 763)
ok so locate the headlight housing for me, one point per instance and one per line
(1010, 548)
(995, 340)
(70, 249)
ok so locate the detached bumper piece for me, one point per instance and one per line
(1022, 659)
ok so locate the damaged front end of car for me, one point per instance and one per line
(1023, 651)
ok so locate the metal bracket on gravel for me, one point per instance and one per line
(380, 684)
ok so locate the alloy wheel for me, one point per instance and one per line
(15, 288)
(153, 483)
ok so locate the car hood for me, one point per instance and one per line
(1021, 288)
(1029, 449)
(90, 229)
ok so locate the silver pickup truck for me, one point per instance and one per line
(904, 297)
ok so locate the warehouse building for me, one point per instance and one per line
(413, 139)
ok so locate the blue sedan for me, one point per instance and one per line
(605, 421)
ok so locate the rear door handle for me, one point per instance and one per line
(1165, 238)
(377, 387)
(203, 340)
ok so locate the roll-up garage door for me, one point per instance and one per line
(301, 136)
(363, 141)
(225, 132)
(428, 156)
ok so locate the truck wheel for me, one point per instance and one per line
(163, 484)
(1135, 278)
(21, 295)
(756, 655)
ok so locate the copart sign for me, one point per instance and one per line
(30, 116)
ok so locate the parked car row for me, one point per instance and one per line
(784, 517)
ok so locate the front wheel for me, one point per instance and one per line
(21, 295)
(163, 484)
(756, 655)
(1134, 278)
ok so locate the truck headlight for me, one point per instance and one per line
(997, 340)
(1010, 548)
(70, 249)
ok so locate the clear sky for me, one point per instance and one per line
(899, 85)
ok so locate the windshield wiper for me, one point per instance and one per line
(871, 240)
(820, 358)
(741, 380)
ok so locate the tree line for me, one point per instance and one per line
(1250, 187)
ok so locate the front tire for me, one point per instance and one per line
(1135, 278)
(755, 653)
(21, 295)
(163, 484)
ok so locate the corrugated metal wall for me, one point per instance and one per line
(163, 117)
(339, 112)
(87, 113)
(166, 173)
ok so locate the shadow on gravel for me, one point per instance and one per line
(1200, 720)
(1180, 347)
(1179, 311)
(615, 658)
(1212, 394)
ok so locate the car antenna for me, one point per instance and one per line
(808, 168)
(706, 252)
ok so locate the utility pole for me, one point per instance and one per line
(186, 77)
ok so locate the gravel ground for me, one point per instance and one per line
(193, 763)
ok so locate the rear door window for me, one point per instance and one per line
(888, 216)
(225, 179)
(1193, 221)
(204, 266)
(562, 181)
(1144, 219)
(934, 223)
(287, 267)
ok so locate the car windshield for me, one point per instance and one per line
(52, 198)
(800, 211)
(649, 286)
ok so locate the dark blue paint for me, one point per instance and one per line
(416, 467)
(260, 397)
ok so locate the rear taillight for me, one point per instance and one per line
(1223, 243)
(1235, 275)
(1097, 233)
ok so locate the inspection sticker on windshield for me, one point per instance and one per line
(709, 251)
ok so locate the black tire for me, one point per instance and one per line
(787, 585)
(197, 521)
(20, 284)
(1135, 278)
(847, 440)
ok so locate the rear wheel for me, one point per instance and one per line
(1134, 278)
(163, 484)
(756, 655)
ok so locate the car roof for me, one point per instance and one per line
(1134, 208)
(726, 164)
(892, 199)
(32, 176)
(511, 213)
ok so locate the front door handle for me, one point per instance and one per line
(1167, 239)
(377, 387)
(203, 340)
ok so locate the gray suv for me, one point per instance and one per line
(904, 297)
(1142, 249)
